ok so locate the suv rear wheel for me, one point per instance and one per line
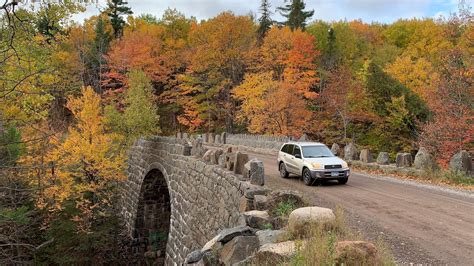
(283, 172)
(307, 178)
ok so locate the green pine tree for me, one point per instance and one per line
(295, 14)
(265, 21)
(115, 10)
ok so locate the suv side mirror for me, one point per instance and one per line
(298, 155)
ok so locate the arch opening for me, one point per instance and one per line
(152, 224)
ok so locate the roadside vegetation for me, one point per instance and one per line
(318, 247)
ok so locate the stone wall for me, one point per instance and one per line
(203, 198)
(257, 141)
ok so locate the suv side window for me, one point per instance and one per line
(284, 148)
(290, 149)
(296, 151)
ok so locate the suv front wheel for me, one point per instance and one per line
(307, 178)
(283, 172)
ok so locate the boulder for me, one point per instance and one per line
(215, 156)
(194, 257)
(224, 137)
(260, 202)
(383, 158)
(355, 253)
(303, 137)
(365, 156)
(251, 192)
(179, 135)
(217, 139)
(302, 220)
(404, 160)
(240, 160)
(335, 149)
(461, 162)
(228, 234)
(254, 171)
(351, 152)
(283, 196)
(222, 160)
(246, 204)
(423, 160)
(257, 219)
(211, 138)
(238, 249)
(205, 137)
(270, 236)
(212, 244)
(197, 147)
(208, 155)
(275, 253)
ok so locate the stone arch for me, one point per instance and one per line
(153, 217)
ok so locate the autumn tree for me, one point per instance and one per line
(451, 128)
(115, 10)
(218, 58)
(139, 117)
(295, 14)
(276, 98)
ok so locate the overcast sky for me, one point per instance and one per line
(368, 10)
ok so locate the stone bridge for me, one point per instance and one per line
(174, 202)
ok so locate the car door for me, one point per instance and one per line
(287, 153)
(296, 160)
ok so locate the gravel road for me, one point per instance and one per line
(421, 224)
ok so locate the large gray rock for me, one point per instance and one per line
(275, 253)
(211, 138)
(194, 257)
(216, 156)
(257, 219)
(208, 155)
(260, 202)
(303, 137)
(228, 234)
(197, 147)
(423, 160)
(205, 137)
(351, 152)
(254, 171)
(335, 149)
(224, 137)
(404, 160)
(461, 162)
(238, 249)
(302, 220)
(366, 156)
(270, 236)
(217, 139)
(383, 158)
(240, 160)
(179, 135)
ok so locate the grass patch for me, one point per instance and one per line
(318, 246)
(283, 209)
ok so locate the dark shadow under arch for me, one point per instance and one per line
(152, 224)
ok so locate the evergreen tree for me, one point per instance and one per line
(265, 20)
(295, 14)
(115, 10)
(95, 60)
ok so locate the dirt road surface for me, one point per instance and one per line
(420, 223)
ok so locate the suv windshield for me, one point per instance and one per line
(316, 152)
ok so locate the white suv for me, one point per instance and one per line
(313, 161)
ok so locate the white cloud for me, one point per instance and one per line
(329, 10)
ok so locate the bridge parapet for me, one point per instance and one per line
(173, 202)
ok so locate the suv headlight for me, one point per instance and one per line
(317, 166)
(344, 165)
